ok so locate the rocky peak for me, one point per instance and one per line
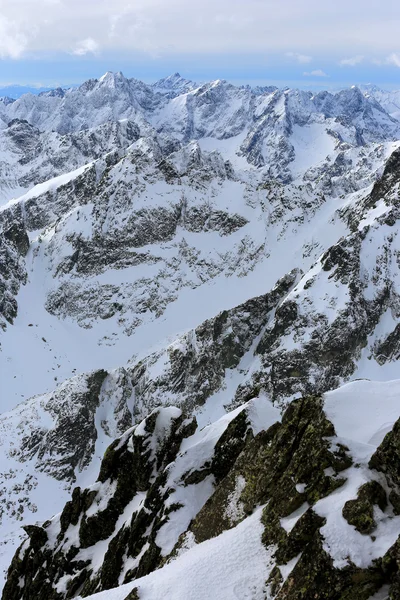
(88, 85)
(55, 93)
(173, 85)
(112, 80)
(6, 100)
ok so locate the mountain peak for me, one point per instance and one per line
(173, 85)
(55, 93)
(111, 79)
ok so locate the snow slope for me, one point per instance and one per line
(216, 565)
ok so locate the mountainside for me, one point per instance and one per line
(389, 100)
(199, 340)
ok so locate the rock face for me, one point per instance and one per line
(142, 485)
(192, 279)
(14, 244)
(73, 435)
(194, 367)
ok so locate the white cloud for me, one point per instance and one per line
(316, 73)
(300, 58)
(226, 27)
(393, 59)
(86, 47)
(12, 41)
(352, 61)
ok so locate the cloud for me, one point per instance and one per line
(216, 27)
(88, 46)
(352, 61)
(393, 59)
(316, 73)
(12, 41)
(300, 58)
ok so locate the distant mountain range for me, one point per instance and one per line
(16, 91)
(389, 99)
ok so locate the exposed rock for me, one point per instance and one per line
(315, 577)
(287, 468)
(14, 244)
(270, 466)
(74, 435)
(194, 366)
(387, 456)
(360, 512)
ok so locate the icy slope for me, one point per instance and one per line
(216, 564)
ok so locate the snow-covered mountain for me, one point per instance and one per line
(389, 100)
(16, 91)
(199, 308)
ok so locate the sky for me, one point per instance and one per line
(302, 43)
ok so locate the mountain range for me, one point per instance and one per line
(199, 342)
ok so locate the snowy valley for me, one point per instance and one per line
(199, 342)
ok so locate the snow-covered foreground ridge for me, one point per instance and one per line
(206, 278)
(253, 505)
